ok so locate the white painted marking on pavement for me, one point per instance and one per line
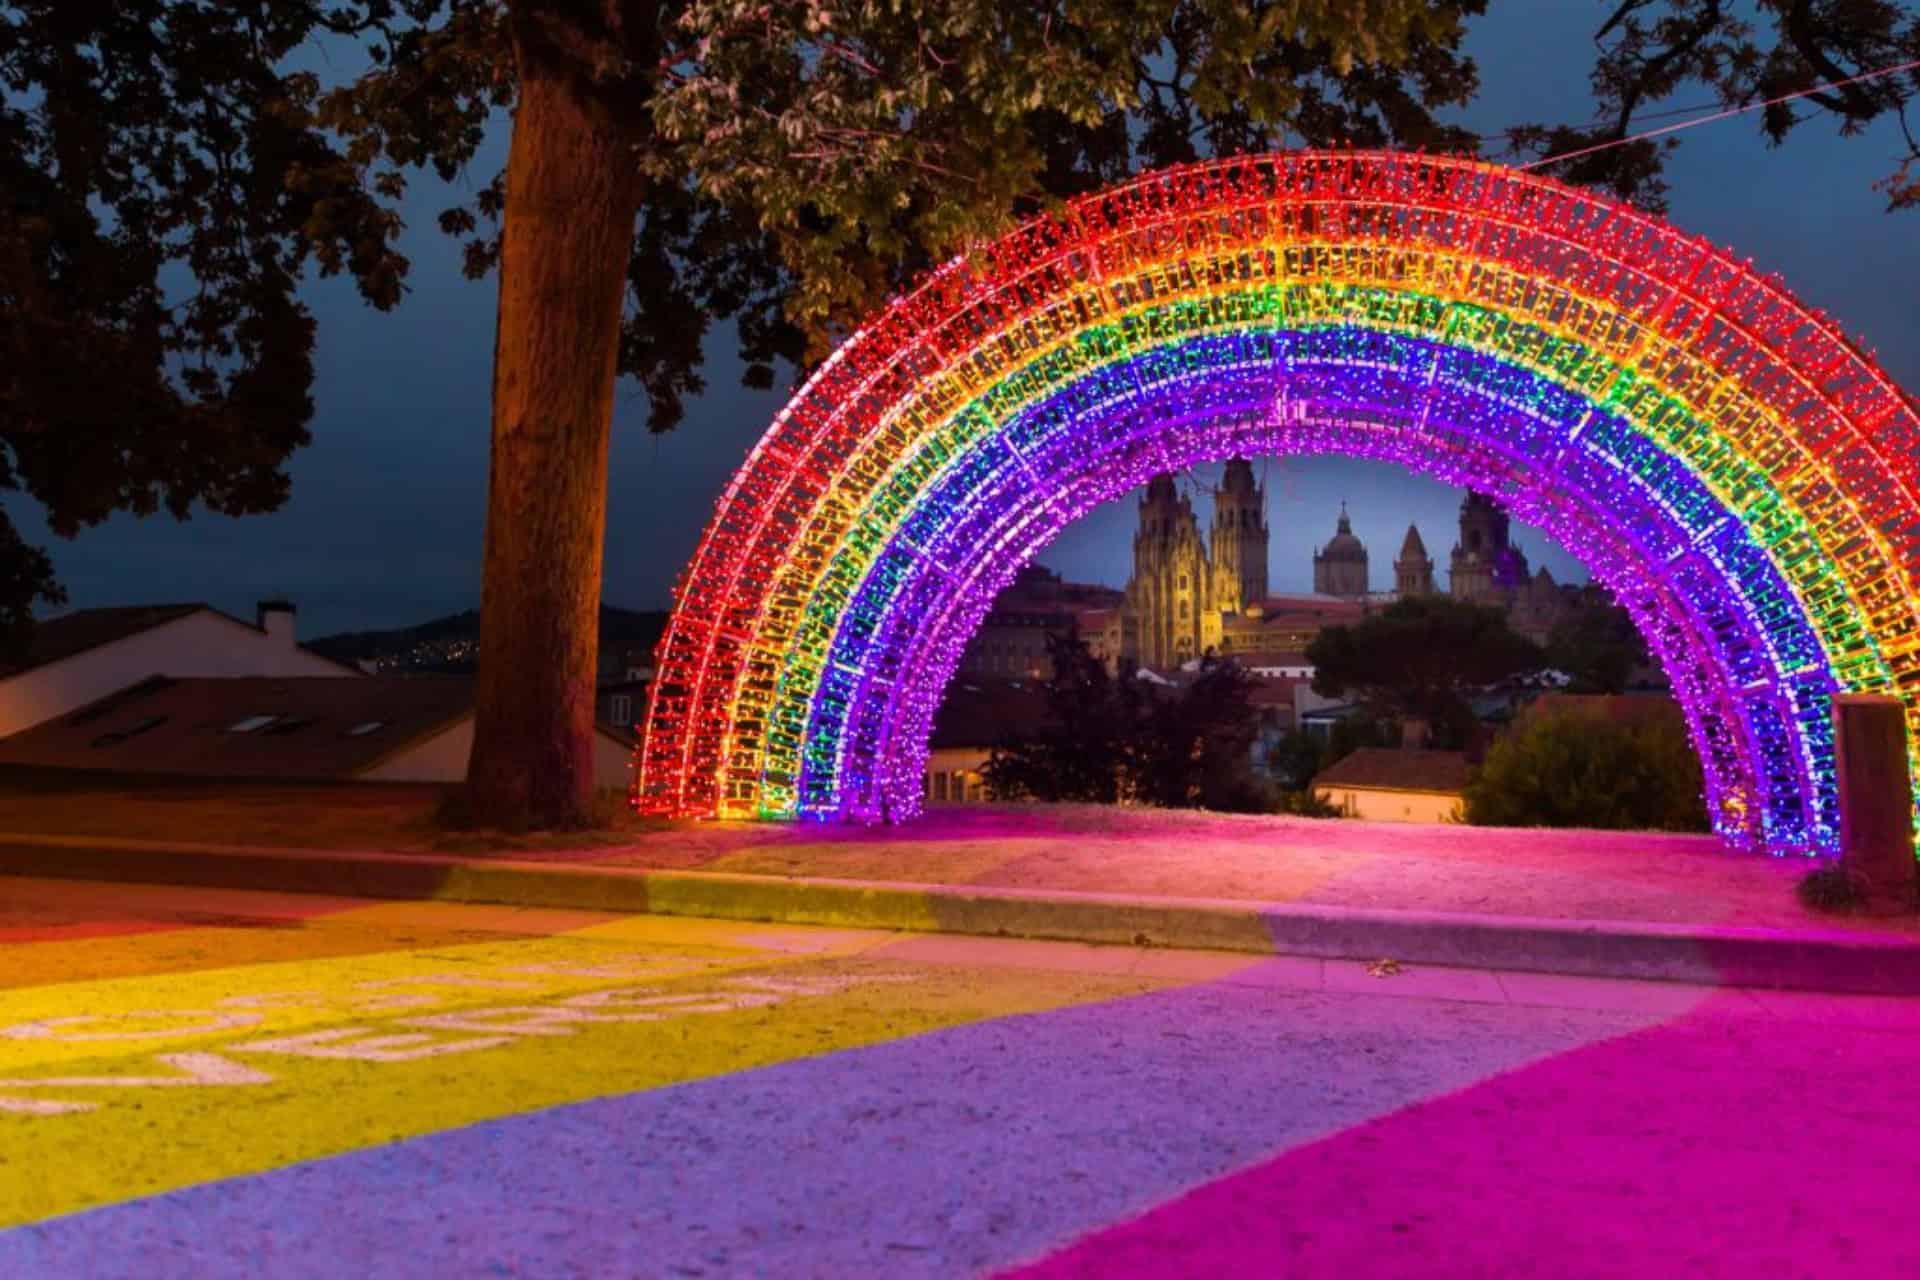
(196, 1069)
(48, 1028)
(43, 1107)
(365, 1046)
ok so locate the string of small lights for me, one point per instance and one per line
(1208, 399)
(850, 556)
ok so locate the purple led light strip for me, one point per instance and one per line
(902, 782)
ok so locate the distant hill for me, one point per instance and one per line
(452, 644)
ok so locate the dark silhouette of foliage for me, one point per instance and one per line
(1418, 659)
(170, 170)
(1197, 749)
(1307, 803)
(1300, 755)
(1296, 758)
(1648, 50)
(1597, 645)
(1084, 749)
(1107, 740)
(1572, 770)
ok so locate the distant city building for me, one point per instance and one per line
(1191, 594)
(1487, 568)
(1395, 784)
(80, 657)
(1187, 598)
(1239, 540)
(1413, 570)
(387, 728)
(622, 704)
(974, 718)
(1340, 567)
(1170, 614)
(1011, 642)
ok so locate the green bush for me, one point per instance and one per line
(1569, 770)
(1306, 803)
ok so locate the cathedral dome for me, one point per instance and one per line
(1344, 545)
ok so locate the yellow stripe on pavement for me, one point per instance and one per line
(115, 1089)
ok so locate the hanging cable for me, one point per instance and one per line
(1720, 115)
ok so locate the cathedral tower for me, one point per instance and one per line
(1340, 568)
(1487, 568)
(1170, 598)
(1413, 570)
(1239, 540)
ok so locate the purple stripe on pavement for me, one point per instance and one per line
(952, 1152)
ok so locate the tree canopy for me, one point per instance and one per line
(1597, 646)
(1107, 739)
(1649, 50)
(1084, 748)
(171, 170)
(1570, 770)
(1418, 657)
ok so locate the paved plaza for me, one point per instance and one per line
(231, 1083)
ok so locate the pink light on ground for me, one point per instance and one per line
(1714, 1146)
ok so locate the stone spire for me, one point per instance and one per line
(1413, 569)
(1239, 539)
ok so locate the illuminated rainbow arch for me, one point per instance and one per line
(1716, 452)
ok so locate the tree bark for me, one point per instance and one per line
(573, 192)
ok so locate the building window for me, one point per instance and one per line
(620, 709)
(940, 786)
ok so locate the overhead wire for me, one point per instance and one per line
(1720, 115)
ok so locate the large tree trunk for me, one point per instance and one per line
(573, 194)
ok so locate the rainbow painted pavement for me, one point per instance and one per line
(216, 1083)
(1741, 474)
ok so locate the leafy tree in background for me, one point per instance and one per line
(1084, 749)
(1418, 658)
(1570, 770)
(1106, 740)
(1297, 757)
(1196, 748)
(1649, 50)
(170, 170)
(1597, 646)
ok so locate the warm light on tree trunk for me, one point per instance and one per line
(574, 194)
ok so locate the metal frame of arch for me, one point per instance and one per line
(1744, 478)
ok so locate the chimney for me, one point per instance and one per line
(275, 617)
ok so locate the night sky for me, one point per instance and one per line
(384, 526)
